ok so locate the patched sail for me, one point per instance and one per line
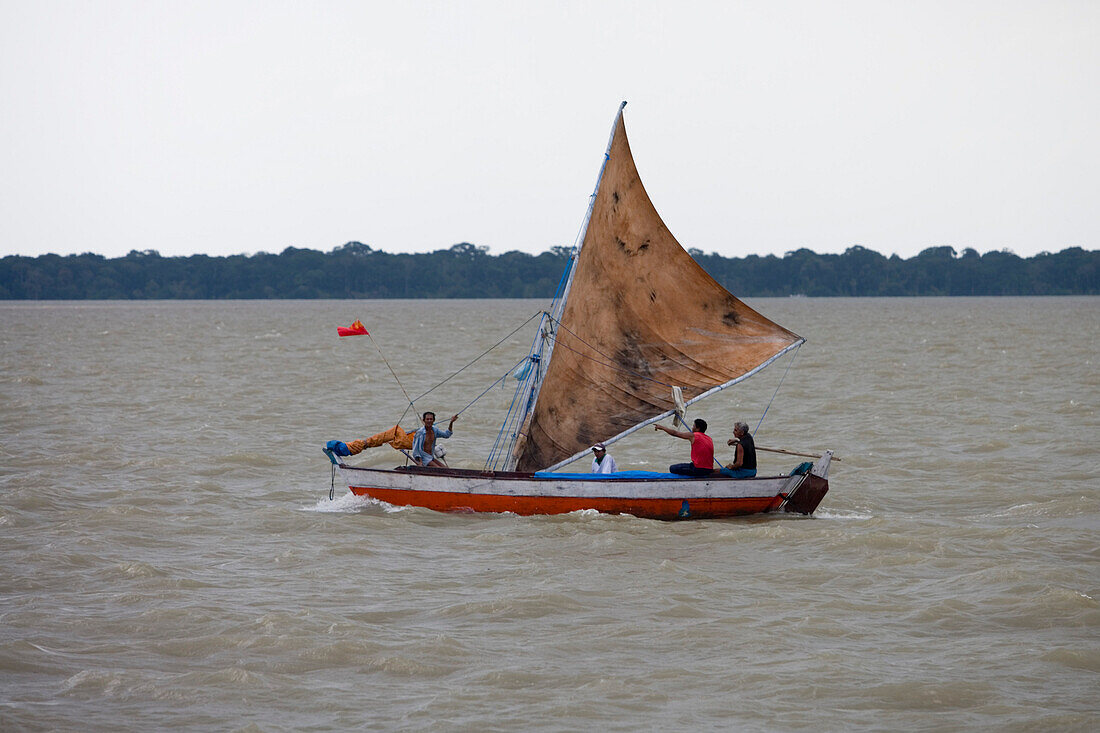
(641, 317)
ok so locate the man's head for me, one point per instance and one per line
(429, 418)
(700, 425)
(599, 450)
(740, 429)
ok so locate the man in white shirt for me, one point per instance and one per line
(601, 462)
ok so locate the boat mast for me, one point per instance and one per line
(559, 306)
(543, 347)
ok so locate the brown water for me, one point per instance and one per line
(170, 557)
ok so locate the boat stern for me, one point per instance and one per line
(808, 494)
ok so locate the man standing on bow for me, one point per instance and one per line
(424, 441)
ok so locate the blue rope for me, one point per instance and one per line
(564, 275)
(500, 445)
(512, 416)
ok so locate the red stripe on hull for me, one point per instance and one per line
(701, 508)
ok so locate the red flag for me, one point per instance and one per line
(356, 329)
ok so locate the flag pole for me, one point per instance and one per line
(358, 329)
(395, 377)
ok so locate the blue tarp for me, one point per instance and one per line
(338, 447)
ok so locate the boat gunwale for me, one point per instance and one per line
(531, 476)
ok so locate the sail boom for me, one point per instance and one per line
(581, 454)
(746, 375)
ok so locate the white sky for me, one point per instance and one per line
(758, 127)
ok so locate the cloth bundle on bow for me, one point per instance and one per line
(397, 438)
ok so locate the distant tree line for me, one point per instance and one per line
(356, 270)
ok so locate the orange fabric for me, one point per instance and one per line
(395, 436)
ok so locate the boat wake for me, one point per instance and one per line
(349, 503)
(842, 514)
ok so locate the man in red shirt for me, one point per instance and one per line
(702, 450)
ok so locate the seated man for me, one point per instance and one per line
(423, 447)
(744, 460)
(702, 450)
(601, 462)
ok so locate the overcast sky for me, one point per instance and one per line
(758, 127)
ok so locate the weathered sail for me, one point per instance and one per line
(641, 317)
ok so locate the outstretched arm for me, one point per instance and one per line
(673, 433)
(451, 425)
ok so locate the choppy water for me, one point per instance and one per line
(170, 557)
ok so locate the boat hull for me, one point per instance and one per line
(456, 490)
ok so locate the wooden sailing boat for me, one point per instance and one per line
(636, 316)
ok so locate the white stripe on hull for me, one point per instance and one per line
(661, 488)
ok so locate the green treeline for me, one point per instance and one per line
(355, 270)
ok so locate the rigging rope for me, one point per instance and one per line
(789, 365)
(499, 379)
(467, 366)
(470, 364)
(391, 372)
(513, 417)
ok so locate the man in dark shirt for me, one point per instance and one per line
(744, 462)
